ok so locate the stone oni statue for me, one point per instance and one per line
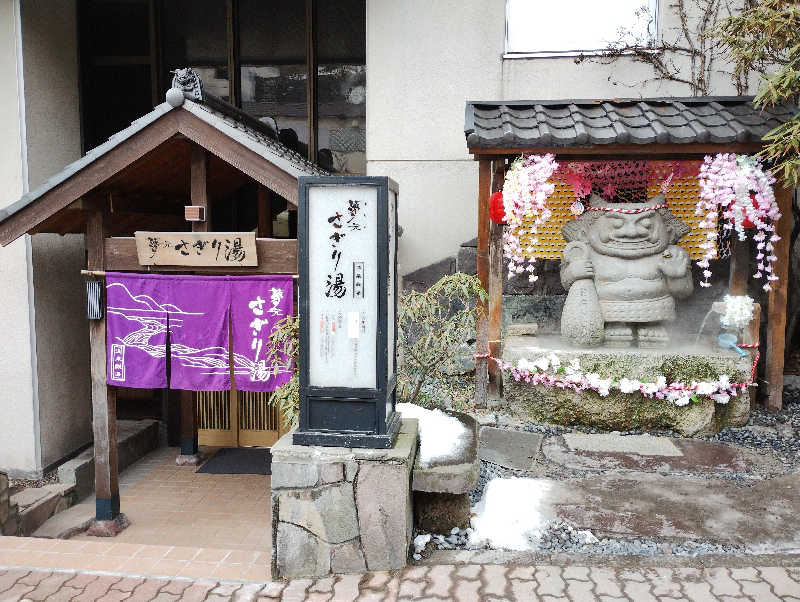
(623, 272)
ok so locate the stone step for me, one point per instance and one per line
(70, 522)
(135, 439)
(37, 504)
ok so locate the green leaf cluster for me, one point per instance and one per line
(765, 38)
(283, 342)
(431, 327)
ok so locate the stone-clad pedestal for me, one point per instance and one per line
(624, 411)
(341, 510)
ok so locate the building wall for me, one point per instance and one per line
(424, 61)
(50, 51)
(19, 450)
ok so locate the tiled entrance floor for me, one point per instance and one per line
(174, 505)
(183, 524)
(104, 555)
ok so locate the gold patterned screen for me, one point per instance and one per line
(681, 199)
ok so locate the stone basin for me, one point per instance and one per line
(441, 490)
(456, 475)
(623, 411)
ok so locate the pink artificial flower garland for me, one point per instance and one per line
(525, 194)
(741, 189)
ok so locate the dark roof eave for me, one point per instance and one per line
(599, 125)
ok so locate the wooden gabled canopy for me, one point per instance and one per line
(141, 174)
(191, 150)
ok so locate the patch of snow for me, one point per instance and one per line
(420, 541)
(441, 436)
(587, 537)
(509, 515)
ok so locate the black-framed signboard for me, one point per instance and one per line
(347, 264)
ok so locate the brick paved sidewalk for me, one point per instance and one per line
(438, 582)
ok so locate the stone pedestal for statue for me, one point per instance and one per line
(623, 271)
(341, 510)
(624, 411)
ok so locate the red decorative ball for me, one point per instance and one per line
(497, 212)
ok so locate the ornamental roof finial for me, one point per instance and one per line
(185, 84)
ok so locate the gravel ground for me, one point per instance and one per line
(563, 536)
(17, 485)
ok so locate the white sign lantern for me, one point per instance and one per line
(347, 236)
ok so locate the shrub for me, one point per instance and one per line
(431, 326)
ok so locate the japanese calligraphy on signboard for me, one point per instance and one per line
(343, 287)
(228, 249)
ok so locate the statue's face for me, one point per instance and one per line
(628, 235)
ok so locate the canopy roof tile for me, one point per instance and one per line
(574, 123)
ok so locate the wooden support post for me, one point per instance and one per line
(482, 334)
(108, 520)
(264, 212)
(750, 336)
(188, 427)
(189, 455)
(740, 267)
(199, 186)
(776, 314)
(495, 290)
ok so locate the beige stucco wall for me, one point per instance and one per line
(19, 452)
(50, 59)
(424, 61)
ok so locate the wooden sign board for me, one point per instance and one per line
(223, 249)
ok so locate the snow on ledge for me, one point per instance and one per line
(441, 436)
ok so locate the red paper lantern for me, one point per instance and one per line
(497, 212)
(746, 223)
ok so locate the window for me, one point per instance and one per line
(300, 65)
(541, 28)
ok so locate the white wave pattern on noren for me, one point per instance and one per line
(211, 360)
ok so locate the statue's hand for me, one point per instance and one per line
(674, 262)
(581, 268)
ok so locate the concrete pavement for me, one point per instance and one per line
(469, 582)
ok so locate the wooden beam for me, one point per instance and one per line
(243, 159)
(482, 334)
(199, 186)
(311, 77)
(641, 151)
(740, 266)
(234, 75)
(90, 177)
(776, 315)
(104, 402)
(275, 256)
(264, 212)
(495, 289)
(156, 93)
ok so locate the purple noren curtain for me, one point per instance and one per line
(195, 311)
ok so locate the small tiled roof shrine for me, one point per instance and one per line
(637, 129)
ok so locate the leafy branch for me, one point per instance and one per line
(432, 325)
(766, 38)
